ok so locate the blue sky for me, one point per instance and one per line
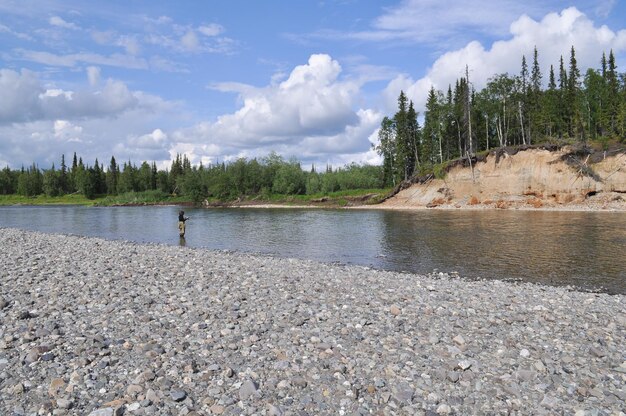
(218, 80)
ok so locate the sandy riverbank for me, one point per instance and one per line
(89, 326)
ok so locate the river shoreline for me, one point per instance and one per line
(90, 326)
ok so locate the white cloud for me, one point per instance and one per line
(155, 140)
(553, 36)
(130, 44)
(93, 75)
(189, 41)
(71, 60)
(20, 93)
(438, 22)
(24, 99)
(59, 22)
(604, 7)
(66, 131)
(310, 114)
(212, 29)
(6, 29)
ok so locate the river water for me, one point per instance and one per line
(582, 249)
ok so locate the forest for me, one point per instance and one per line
(510, 110)
(224, 181)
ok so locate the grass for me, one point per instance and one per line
(71, 199)
(140, 198)
(339, 198)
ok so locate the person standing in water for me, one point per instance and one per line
(181, 223)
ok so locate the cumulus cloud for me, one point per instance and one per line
(309, 114)
(20, 93)
(67, 131)
(24, 99)
(152, 146)
(553, 36)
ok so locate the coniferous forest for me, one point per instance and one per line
(562, 106)
(510, 110)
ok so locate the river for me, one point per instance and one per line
(582, 249)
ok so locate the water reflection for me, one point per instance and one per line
(577, 248)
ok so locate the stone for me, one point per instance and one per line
(395, 310)
(453, 376)
(107, 411)
(248, 389)
(464, 365)
(152, 396)
(595, 352)
(274, 410)
(299, 382)
(526, 375)
(444, 409)
(217, 409)
(64, 403)
(402, 392)
(133, 406)
(56, 386)
(178, 395)
(459, 340)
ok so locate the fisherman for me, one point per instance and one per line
(181, 223)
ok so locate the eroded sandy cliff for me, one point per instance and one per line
(531, 178)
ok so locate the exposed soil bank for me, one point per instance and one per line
(533, 178)
(95, 327)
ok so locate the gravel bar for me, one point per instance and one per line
(96, 327)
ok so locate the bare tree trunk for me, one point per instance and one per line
(458, 131)
(521, 120)
(487, 131)
(469, 110)
(440, 148)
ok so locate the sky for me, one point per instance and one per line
(145, 80)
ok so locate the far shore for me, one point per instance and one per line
(447, 207)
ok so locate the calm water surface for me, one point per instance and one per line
(584, 249)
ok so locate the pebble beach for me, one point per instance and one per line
(96, 327)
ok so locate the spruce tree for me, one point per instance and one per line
(573, 98)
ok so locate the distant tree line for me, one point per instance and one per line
(510, 110)
(225, 181)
